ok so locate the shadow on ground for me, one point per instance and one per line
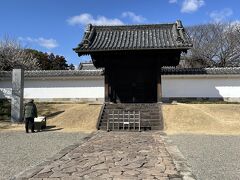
(51, 128)
(54, 114)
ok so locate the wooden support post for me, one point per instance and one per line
(113, 122)
(134, 125)
(139, 122)
(128, 120)
(159, 85)
(108, 121)
(123, 118)
(106, 87)
(118, 120)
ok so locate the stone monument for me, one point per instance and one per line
(17, 95)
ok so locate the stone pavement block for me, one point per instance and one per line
(123, 162)
(95, 174)
(114, 155)
(59, 175)
(106, 177)
(100, 166)
(116, 170)
(44, 174)
(162, 177)
(146, 177)
(69, 170)
(122, 177)
(131, 172)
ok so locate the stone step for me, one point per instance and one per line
(150, 115)
(133, 108)
(143, 124)
(142, 120)
(131, 129)
(131, 125)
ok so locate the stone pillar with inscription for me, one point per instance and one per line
(17, 95)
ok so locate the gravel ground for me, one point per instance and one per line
(211, 156)
(19, 150)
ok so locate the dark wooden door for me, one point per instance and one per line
(133, 85)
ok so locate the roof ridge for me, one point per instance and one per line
(59, 70)
(132, 25)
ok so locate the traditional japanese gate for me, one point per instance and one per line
(132, 57)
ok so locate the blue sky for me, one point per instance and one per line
(57, 25)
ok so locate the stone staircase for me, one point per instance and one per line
(150, 116)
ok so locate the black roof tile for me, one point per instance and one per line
(54, 73)
(134, 37)
(91, 72)
(199, 71)
(87, 66)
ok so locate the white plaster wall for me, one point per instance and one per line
(59, 88)
(5, 89)
(197, 86)
(64, 89)
(172, 86)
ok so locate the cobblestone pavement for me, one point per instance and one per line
(113, 155)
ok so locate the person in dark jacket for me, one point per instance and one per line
(30, 112)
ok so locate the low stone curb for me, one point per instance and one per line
(180, 162)
(29, 173)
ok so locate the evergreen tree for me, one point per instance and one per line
(49, 61)
(59, 63)
(71, 67)
(42, 58)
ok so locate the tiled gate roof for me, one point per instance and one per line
(134, 37)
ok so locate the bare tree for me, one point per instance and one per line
(214, 45)
(12, 54)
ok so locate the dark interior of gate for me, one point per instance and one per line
(136, 85)
(134, 77)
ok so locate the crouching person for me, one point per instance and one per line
(30, 112)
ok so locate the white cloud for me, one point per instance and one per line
(46, 43)
(86, 18)
(172, 1)
(134, 17)
(189, 6)
(219, 16)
